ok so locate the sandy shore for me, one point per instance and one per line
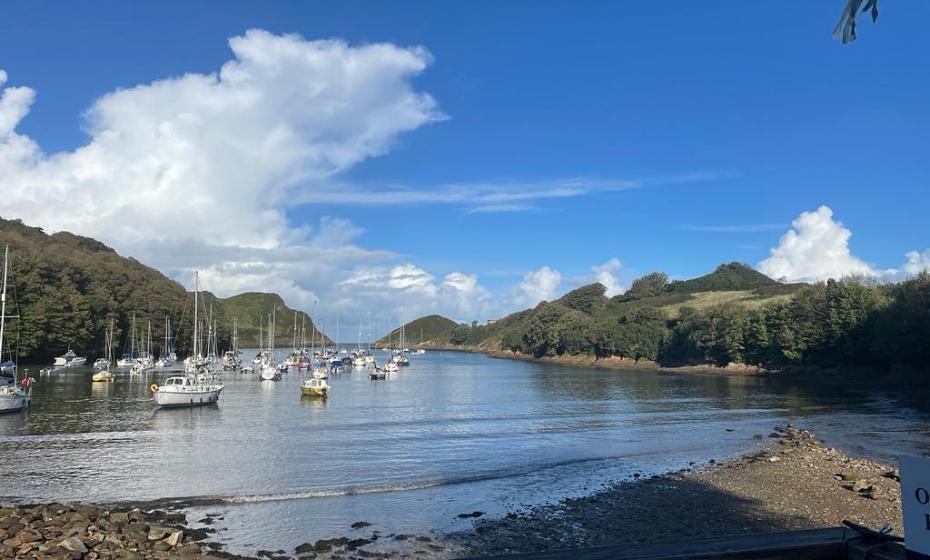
(793, 483)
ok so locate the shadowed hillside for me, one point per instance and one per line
(424, 331)
(66, 288)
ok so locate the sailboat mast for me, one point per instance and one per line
(196, 319)
(132, 339)
(6, 257)
(271, 346)
(295, 331)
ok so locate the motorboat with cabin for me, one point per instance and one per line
(314, 387)
(69, 359)
(198, 387)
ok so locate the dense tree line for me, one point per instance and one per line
(838, 322)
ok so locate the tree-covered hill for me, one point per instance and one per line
(252, 309)
(65, 289)
(424, 331)
(728, 277)
(733, 315)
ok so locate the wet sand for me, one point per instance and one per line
(793, 483)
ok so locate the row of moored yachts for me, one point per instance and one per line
(199, 384)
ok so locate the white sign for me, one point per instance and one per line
(915, 500)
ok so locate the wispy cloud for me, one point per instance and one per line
(491, 196)
(737, 228)
(501, 208)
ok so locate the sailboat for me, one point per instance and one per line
(145, 360)
(13, 397)
(169, 357)
(231, 360)
(104, 374)
(129, 358)
(270, 371)
(198, 387)
(293, 359)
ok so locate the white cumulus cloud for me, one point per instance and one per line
(815, 248)
(458, 295)
(606, 274)
(536, 286)
(199, 170)
(917, 262)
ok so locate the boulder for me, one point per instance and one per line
(174, 538)
(73, 544)
(157, 533)
(28, 536)
(860, 485)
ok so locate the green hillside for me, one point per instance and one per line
(728, 277)
(733, 315)
(252, 309)
(425, 331)
(66, 288)
(636, 324)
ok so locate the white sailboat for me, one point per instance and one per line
(145, 361)
(198, 387)
(168, 357)
(270, 371)
(129, 358)
(13, 397)
(104, 375)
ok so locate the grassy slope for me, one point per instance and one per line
(729, 283)
(435, 331)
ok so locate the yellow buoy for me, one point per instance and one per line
(154, 387)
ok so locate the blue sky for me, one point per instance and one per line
(731, 118)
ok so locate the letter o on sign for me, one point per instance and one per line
(923, 497)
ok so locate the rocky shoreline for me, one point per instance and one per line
(76, 531)
(793, 483)
(618, 363)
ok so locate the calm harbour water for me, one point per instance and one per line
(453, 433)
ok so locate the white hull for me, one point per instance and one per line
(14, 403)
(59, 363)
(197, 397)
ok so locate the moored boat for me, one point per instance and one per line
(186, 391)
(102, 365)
(314, 387)
(14, 396)
(69, 359)
(198, 387)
